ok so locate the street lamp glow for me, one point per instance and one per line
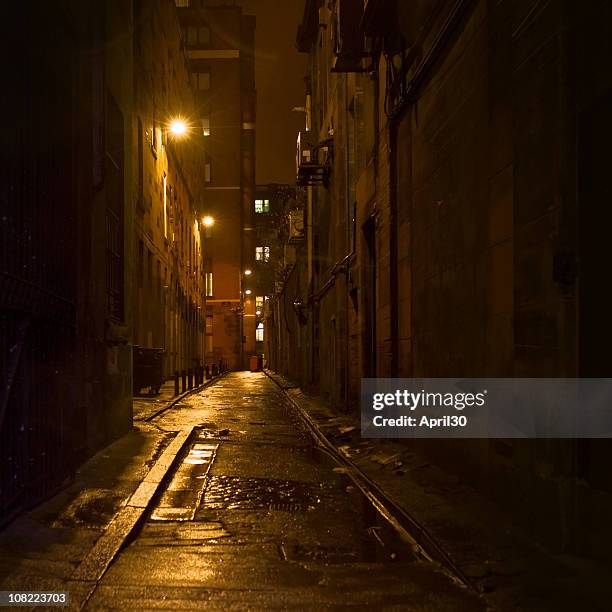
(178, 127)
(208, 221)
(248, 272)
(248, 292)
(258, 312)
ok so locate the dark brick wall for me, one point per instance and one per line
(473, 201)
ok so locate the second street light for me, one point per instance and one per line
(178, 127)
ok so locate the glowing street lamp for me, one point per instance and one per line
(178, 127)
(248, 272)
(248, 292)
(208, 221)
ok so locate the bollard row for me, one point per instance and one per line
(192, 378)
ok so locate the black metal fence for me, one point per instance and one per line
(40, 430)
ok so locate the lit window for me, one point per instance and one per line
(206, 126)
(262, 206)
(203, 80)
(259, 333)
(262, 253)
(259, 301)
(209, 284)
(207, 172)
(182, 2)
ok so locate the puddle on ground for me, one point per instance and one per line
(181, 498)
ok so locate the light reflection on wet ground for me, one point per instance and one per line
(257, 518)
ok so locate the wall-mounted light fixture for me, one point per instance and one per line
(178, 127)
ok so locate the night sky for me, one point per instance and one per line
(279, 78)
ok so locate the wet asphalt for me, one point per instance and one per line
(256, 518)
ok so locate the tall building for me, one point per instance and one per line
(219, 41)
(278, 226)
(168, 234)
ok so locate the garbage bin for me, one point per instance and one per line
(148, 368)
(254, 363)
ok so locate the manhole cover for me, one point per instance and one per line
(233, 492)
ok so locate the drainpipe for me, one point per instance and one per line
(308, 112)
(310, 243)
(348, 249)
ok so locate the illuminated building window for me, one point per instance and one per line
(259, 302)
(259, 333)
(262, 253)
(209, 284)
(207, 172)
(203, 80)
(206, 126)
(262, 206)
(182, 2)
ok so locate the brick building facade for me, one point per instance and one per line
(460, 180)
(168, 182)
(219, 41)
(99, 236)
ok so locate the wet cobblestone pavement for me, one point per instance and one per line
(255, 517)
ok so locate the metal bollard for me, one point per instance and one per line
(184, 377)
(189, 378)
(207, 372)
(176, 382)
(214, 369)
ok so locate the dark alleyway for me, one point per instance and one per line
(348, 199)
(250, 516)
(253, 518)
(222, 499)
